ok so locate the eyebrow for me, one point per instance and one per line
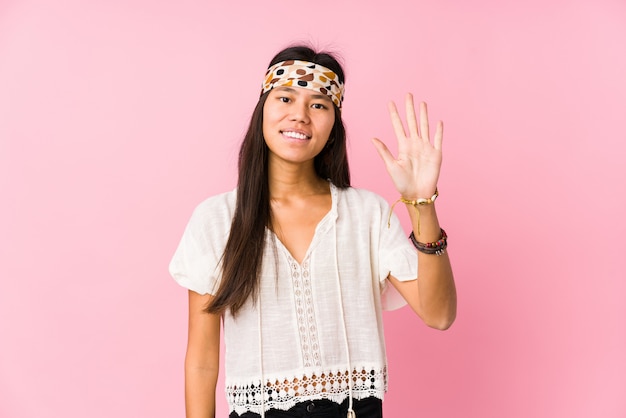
(294, 91)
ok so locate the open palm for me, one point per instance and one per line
(415, 171)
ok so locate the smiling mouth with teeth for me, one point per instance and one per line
(295, 135)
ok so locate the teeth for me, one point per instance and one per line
(295, 135)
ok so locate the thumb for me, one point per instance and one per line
(383, 151)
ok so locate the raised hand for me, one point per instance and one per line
(415, 171)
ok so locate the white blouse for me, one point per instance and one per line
(316, 330)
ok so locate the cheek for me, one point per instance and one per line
(271, 115)
(267, 120)
(329, 126)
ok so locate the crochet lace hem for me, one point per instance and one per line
(287, 393)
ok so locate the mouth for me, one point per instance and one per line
(295, 134)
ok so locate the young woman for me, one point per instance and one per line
(298, 265)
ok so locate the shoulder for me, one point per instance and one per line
(222, 201)
(216, 210)
(354, 196)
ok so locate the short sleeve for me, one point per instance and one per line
(196, 261)
(397, 257)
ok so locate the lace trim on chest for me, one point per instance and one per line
(307, 327)
(285, 393)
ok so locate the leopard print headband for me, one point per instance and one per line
(305, 74)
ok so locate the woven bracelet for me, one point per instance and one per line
(436, 248)
(416, 203)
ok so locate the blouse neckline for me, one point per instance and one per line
(322, 227)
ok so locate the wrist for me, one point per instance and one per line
(420, 201)
(420, 204)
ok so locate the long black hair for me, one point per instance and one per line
(243, 255)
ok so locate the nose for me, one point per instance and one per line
(299, 112)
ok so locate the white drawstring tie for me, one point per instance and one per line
(262, 385)
(351, 413)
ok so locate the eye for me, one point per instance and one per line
(318, 106)
(284, 99)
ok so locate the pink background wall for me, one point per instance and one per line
(118, 117)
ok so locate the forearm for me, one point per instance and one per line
(202, 361)
(415, 174)
(200, 386)
(435, 285)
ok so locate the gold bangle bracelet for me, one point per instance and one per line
(420, 202)
(416, 203)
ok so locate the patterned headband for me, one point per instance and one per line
(305, 74)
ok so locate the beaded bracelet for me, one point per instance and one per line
(437, 247)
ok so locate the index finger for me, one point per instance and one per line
(396, 122)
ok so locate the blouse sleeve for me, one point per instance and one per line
(196, 262)
(397, 257)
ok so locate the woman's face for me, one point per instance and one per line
(297, 123)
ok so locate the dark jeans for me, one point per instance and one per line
(364, 408)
